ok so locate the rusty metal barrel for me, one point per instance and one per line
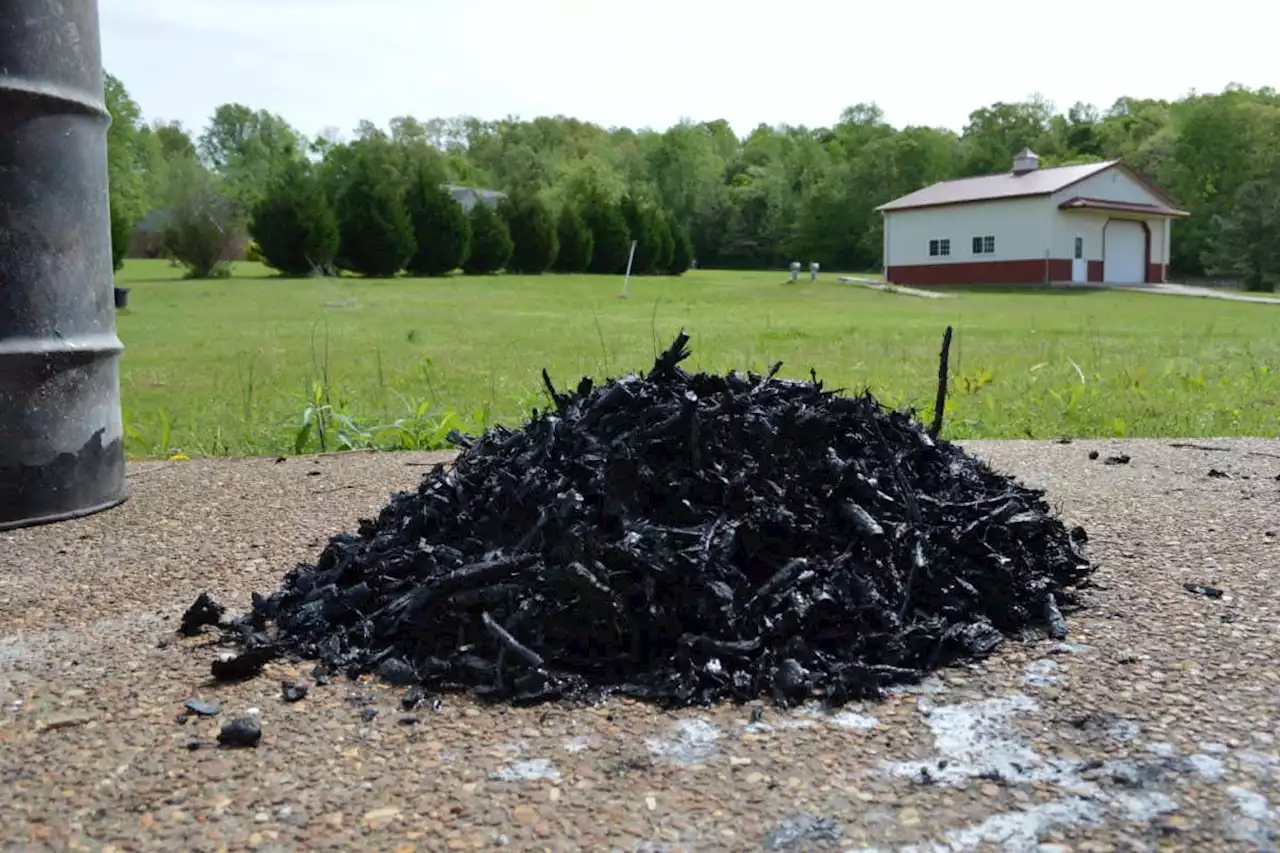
(61, 437)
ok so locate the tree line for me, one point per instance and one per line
(577, 194)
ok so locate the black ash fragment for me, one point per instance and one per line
(1122, 459)
(411, 698)
(802, 832)
(1219, 475)
(683, 538)
(203, 611)
(1053, 619)
(1201, 589)
(293, 692)
(240, 732)
(368, 714)
(1093, 454)
(200, 709)
(247, 664)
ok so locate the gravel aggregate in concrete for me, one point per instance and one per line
(1151, 727)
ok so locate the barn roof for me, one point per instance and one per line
(1000, 186)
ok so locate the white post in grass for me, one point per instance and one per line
(631, 257)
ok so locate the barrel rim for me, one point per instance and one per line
(56, 92)
(125, 493)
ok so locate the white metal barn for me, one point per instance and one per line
(1097, 222)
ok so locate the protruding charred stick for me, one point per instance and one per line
(510, 643)
(941, 402)
(551, 389)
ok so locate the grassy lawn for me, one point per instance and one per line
(231, 366)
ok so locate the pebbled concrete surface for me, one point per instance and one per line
(1153, 727)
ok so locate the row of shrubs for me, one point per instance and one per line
(375, 226)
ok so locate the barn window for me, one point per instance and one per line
(984, 245)
(933, 248)
(939, 247)
(1079, 247)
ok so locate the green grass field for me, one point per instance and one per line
(238, 366)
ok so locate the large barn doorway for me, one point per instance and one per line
(1124, 252)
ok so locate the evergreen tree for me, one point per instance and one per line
(533, 232)
(643, 223)
(576, 242)
(491, 245)
(1246, 241)
(293, 225)
(611, 238)
(440, 225)
(682, 250)
(665, 243)
(376, 234)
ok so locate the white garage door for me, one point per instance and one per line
(1124, 258)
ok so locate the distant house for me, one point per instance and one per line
(469, 197)
(148, 236)
(1096, 222)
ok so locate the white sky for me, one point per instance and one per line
(648, 63)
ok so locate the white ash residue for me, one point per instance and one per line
(1264, 765)
(1044, 673)
(813, 714)
(1209, 768)
(577, 744)
(1142, 807)
(974, 740)
(1258, 823)
(1012, 832)
(850, 720)
(1252, 804)
(929, 686)
(527, 771)
(694, 742)
(1124, 731)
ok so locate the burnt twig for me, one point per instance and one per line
(940, 402)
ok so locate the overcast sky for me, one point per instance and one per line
(648, 63)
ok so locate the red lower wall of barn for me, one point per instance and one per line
(982, 272)
(1003, 272)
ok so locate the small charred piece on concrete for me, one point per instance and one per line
(683, 538)
(291, 691)
(240, 732)
(203, 611)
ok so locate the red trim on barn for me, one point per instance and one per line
(1155, 273)
(1095, 271)
(1146, 253)
(982, 272)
